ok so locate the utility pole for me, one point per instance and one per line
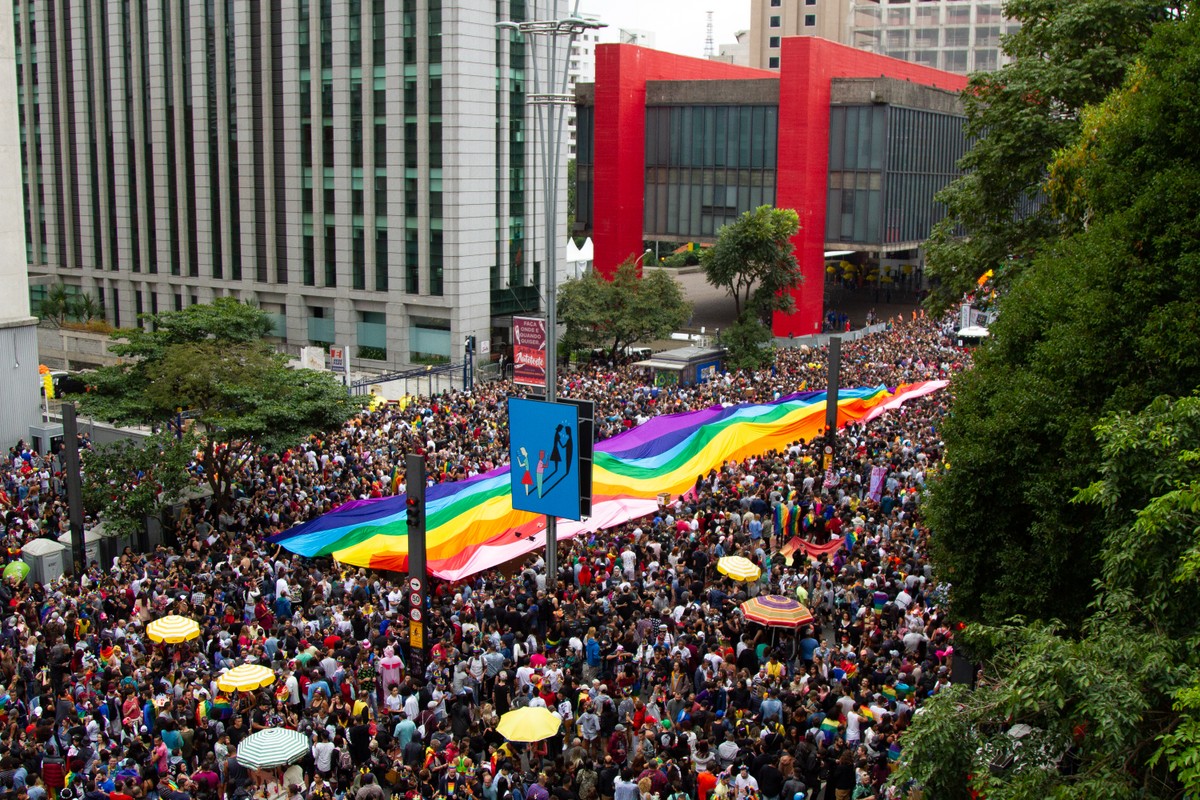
(74, 487)
(831, 398)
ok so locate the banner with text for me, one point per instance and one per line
(529, 351)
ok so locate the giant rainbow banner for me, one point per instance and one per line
(471, 524)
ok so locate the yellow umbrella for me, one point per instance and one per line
(529, 724)
(173, 628)
(246, 678)
(738, 568)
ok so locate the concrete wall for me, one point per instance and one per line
(864, 91)
(60, 348)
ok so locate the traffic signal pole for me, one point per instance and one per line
(418, 582)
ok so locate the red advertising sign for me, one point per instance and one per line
(529, 351)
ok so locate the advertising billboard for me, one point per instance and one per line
(529, 351)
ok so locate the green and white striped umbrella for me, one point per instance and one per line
(273, 747)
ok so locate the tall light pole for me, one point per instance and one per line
(638, 262)
(550, 98)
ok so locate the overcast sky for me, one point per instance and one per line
(678, 25)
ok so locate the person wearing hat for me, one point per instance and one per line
(618, 744)
(744, 783)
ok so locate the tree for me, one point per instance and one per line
(1089, 735)
(629, 308)
(1067, 54)
(60, 305)
(125, 482)
(210, 361)
(748, 343)
(754, 261)
(1101, 321)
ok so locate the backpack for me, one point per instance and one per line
(345, 761)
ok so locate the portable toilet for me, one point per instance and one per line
(47, 560)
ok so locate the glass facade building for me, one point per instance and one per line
(886, 163)
(705, 165)
(356, 167)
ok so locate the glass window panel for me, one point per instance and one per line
(878, 131)
(837, 138)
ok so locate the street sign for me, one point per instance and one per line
(416, 599)
(415, 614)
(337, 358)
(416, 635)
(414, 584)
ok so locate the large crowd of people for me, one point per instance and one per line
(663, 688)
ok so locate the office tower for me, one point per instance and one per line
(18, 330)
(358, 168)
(959, 36)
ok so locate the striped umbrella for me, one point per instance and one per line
(776, 611)
(173, 629)
(272, 747)
(739, 568)
(246, 678)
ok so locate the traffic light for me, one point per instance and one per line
(415, 507)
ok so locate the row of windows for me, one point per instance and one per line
(712, 136)
(810, 21)
(687, 203)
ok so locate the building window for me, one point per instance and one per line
(775, 22)
(810, 2)
(773, 62)
(774, 42)
(810, 20)
(776, 3)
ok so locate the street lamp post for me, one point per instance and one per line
(638, 262)
(550, 99)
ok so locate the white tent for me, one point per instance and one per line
(974, 332)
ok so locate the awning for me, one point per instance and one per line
(656, 364)
(838, 253)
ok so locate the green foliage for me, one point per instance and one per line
(1118, 701)
(375, 353)
(60, 305)
(125, 482)
(210, 360)
(572, 189)
(753, 260)
(615, 314)
(748, 343)
(1102, 321)
(688, 258)
(1067, 54)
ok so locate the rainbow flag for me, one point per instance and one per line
(894, 751)
(889, 692)
(395, 481)
(829, 729)
(866, 713)
(472, 526)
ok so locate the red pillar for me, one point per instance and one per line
(808, 67)
(618, 199)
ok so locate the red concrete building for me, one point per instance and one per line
(672, 147)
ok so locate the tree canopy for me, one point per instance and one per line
(630, 308)
(1111, 711)
(125, 481)
(1067, 54)
(1103, 320)
(211, 362)
(754, 261)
